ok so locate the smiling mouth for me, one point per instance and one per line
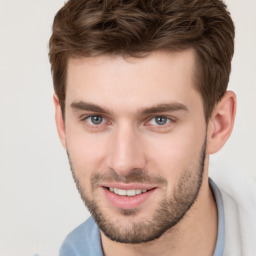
(128, 196)
(129, 192)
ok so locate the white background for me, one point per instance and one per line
(39, 203)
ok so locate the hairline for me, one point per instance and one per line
(197, 72)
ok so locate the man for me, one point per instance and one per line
(141, 102)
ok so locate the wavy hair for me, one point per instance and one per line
(84, 28)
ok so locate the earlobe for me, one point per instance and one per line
(221, 122)
(59, 121)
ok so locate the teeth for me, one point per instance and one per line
(130, 192)
(120, 192)
(138, 191)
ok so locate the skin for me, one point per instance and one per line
(129, 138)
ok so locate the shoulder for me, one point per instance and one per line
(83, 240)
(239, 201)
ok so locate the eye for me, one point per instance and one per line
(160, 120)
(95, 120)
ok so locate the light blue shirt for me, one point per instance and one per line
(85, 239)
(219, 248)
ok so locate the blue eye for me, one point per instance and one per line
(159, 120)
(95, 120)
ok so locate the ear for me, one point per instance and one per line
(59, 121)
(221, 122)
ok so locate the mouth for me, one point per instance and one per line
(128, 198)
(129, 192)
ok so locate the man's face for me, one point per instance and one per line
(136, 137)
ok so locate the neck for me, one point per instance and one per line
(195, 234)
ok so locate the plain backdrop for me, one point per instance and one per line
(39, 203)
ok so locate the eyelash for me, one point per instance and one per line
(170, 121)
(86, 118)
(161, 128)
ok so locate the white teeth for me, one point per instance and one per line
(116, 190)
(138, 191)
(121, 192)
(130, 192)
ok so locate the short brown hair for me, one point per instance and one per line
(137, 27)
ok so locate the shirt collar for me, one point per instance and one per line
(220, 243)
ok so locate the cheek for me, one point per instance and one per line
(86, 153)
(174, 154)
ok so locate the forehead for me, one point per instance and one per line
(115, 81)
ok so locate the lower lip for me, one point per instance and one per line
(127, 202)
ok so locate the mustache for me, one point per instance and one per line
(134, 176)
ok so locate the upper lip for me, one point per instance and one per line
(129, 186)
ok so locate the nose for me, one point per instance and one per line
(126, 150)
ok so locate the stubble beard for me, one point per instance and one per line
(170, 211)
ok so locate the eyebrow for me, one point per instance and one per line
(90, 107)
(171, 107)
(160, 108)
